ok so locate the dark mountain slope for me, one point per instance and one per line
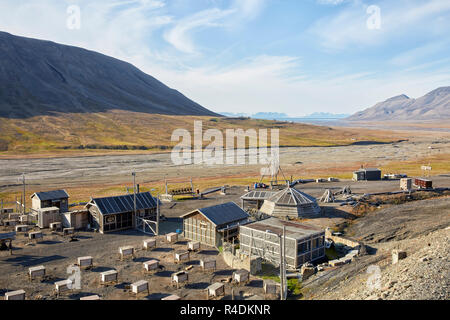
(42, 77)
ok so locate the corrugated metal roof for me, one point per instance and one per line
(125, 203)
(223, 214)
(50, 195)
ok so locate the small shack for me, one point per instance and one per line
(367, 174)
(48, 215)
(117, 213)
(255, 198)
(304, 242)
(213, 225)
(291, 202)
(78, 219)
(55, 198)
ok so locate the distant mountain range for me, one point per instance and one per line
(42, 77)
(283, 116)
(435, 105)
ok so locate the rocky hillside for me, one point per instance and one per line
(41, 77)
(419, 228)
(434, 105)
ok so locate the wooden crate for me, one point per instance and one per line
(36, 272)
(181, 256)
(172, 237)
(140, 286)
(194, 245)
(109, 276)
(172, 297)
(85, 262)
(93, 297)
(215, 290)
(149, 244)
(15, 295)
(151, 265)
(63, 286)
(208, 264)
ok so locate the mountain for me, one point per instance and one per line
(269, 115)
(326, 115)
(41, 77)
(435, 105)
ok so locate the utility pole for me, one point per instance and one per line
(281, 269)
(23, 196)
(157, 214)
(134, 200)
(284, 263)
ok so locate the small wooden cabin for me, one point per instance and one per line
(117, 213)
(212, 225)
(55, 198)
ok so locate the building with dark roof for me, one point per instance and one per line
(367, 174)
(213, 225)
(117, 213)
(55, 198)
(304, 242)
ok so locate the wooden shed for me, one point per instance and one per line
(117, 213)
(55, 198)
(212, 225)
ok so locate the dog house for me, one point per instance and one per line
(85, 262)
(172, 237)
(140, 286)
(208, 265)
(241, 276)
(63, 286)
(126, 252)
(15, 295)
(194, 246)
(172, 297)
(55, 226)
(109, 276)
(36, 272)
(149, 244)
(35, 235)
(93, 297)
(151, 265)
(179, 278)
(21, 228)
(215, 290)
(68, 231)
(270, 287)
(181, 256)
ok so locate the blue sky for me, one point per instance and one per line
(291, 56)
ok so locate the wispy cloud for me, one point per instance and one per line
(180, 35)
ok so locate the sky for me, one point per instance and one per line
(246, 56)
